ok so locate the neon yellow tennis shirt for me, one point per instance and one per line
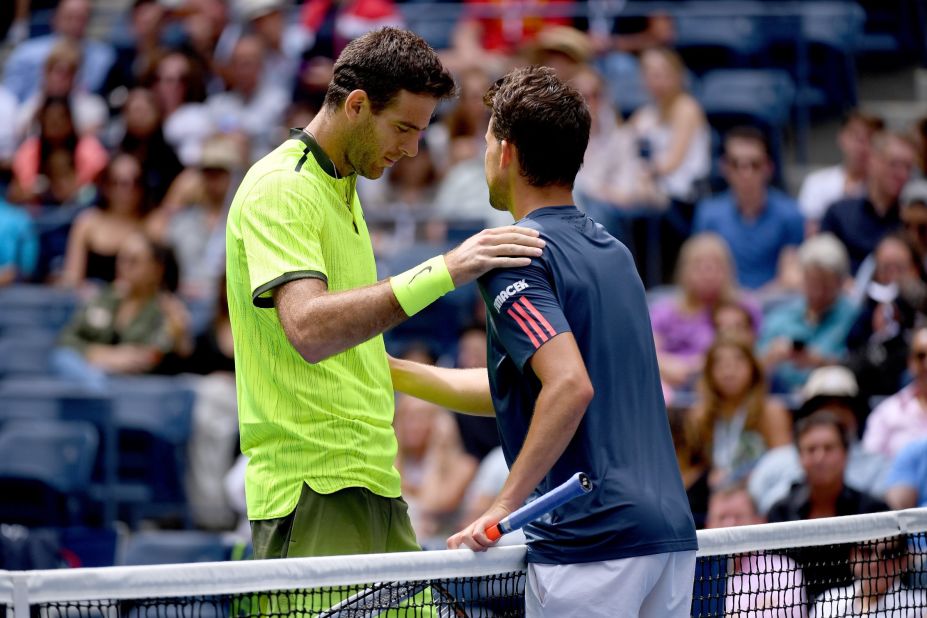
(328, 424)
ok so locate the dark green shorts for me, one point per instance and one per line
(350, 521)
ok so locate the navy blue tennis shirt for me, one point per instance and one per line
(586, 283)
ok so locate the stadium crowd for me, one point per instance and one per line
(791, 332)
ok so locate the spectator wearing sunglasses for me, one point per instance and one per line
(761, 224)
(902, 418)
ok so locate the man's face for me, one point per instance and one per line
(854, 140)
(731, 509)
(891, 167)
(822, 455)
(746, 166)
(71, 18)
(917, 358)
(382, 139)
(822, 288)
(914, 219)
(495, 177)
(893, 262)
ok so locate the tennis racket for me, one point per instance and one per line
(575, 486)
(379, 598)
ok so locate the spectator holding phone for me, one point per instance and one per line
(812, 330)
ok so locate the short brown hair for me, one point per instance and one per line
(546, 120)
(823, 418)
(384, 62)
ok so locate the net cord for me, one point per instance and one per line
(214, 578)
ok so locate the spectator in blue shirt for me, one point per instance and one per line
(812, 330)
(24, 66)
(18, 244)
(907, 478)
(758, 222)
(860, 223)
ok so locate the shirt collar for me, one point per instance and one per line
(327, 165)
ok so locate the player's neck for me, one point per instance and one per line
(526, 199)
(326, 132)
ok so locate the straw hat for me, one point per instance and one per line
(571, 42)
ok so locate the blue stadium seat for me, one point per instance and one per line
(817, 47)
(52, 399)
(434, 22)
(153, 417)
(623, 79)
(45, 470)
(707, 39)
(175, 547)
(35, 307)
(26, 352)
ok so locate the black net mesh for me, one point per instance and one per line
(881, 577)
(496, 596)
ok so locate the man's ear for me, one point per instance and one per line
(355, 103)
(509, 153)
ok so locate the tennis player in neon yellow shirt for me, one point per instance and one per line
(314, 390)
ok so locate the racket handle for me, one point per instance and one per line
(577, 485)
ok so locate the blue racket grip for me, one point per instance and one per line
(575, 486)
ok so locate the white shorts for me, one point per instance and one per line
(656, 586)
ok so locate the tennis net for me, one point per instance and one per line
(868, 565)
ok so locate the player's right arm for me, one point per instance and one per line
(463, 390)
(321, 324)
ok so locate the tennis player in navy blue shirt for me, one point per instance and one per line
(573, 380)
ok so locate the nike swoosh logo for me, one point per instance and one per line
(427, 269)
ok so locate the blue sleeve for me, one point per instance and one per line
(699, 222)
(28, 253)
(907, 467)
(796, 231)
(522, 309)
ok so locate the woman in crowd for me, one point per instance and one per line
(735, 419)
(131, 325)
(672, 131)
(682, 324)
(144, 139)
(179, 84)
(50, 168)
(98, 232)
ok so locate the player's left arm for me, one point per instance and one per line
(566, 391)
(462, 390)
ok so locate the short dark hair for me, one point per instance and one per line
(547, 121)
(823, 418)
(384, 62)
(749, 134)
(871, 121)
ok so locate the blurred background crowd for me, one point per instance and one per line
(764, 162)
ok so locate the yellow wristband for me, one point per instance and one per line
(418, 287)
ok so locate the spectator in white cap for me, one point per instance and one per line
(835, 389)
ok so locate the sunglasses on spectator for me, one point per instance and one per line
(753, 165)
